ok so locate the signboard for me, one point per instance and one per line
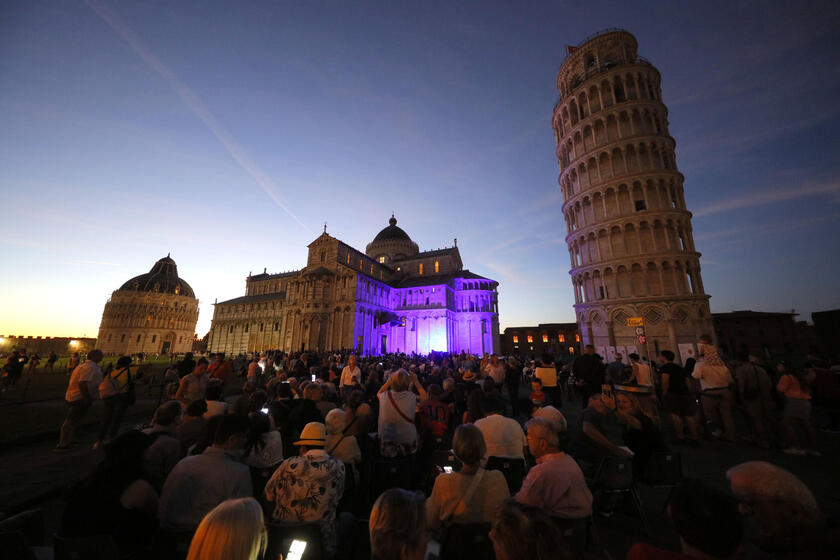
(635, 321)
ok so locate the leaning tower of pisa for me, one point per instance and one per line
(629, 232)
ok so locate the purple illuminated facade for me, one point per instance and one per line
(391, 298)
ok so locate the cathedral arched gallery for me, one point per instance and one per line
(390, 298)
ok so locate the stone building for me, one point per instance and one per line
(629, 232)
(561, 340)
(390, 298)
(154, 313)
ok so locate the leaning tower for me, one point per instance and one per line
(629, 232)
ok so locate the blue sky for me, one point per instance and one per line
(228, 133)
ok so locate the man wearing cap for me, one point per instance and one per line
(307, 488)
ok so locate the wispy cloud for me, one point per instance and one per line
(195, 105)
(93, 263)
(765, 197)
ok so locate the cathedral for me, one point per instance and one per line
(390, 298)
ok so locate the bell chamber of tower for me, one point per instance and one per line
(628, 230)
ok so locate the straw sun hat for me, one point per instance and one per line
(313, 434)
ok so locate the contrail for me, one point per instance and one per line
(195, 105)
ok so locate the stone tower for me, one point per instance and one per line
(629, 232)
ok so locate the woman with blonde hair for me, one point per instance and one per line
(233, 530)
(398, 526)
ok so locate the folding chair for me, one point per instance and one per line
(396, 472)
(467, 541)
(513, 469)
(664, 470)
(615, 476)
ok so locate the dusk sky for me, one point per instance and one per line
(227, 133)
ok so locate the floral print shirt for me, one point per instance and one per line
(307, 488)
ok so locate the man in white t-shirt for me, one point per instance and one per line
(82, 389)
(502, 435)
(350, 376)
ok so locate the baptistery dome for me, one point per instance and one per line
(162, 278)
(391, 244)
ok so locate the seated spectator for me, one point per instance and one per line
(199, 483)
(191, 424)
(556, 483)
(323, 403)
(397, 405)
(215, 404)
(293, 488)
(339, 444)
(785, 513)
(233, 529)
(205, 438)
(116, 500)
(264, 446)
(554, 417)
(305, 412)
(475, 405)
(448, 395)
(471, 495)
(165, 449)
(640, 434)
(357, 415)
(398, 526)
(707, 522)
(434, 415)
(502, 435)
(590, 442)
(524, 531)
(538, 397)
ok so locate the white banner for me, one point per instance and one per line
(630, 350)
(623, 352)
(686, 351)
(610, 357)
(601, 351)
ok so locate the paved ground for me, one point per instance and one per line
(31, 475)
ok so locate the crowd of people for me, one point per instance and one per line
(435, 452)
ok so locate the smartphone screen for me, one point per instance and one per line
(447, 469)
(264, 410)
(313, 377)
(296, 550)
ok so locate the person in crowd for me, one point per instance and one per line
(351, 376)
(641, 374)
(715, 380)
(306, 411)
(556, 483)
(784, 519)
(73, 362)
(538, 396)
(192, 424)
(795, 385)
(323, 404)
(547, 374)
(504, 438)
(589, 371)
(194, 385)
(495, 370)
(220, 369)
(471, 495)
(590, 443)
(13, 369)
(475, 406)
(707, 522)
(357, 414)
(215, 404)
(81, 391)
(397, 526)
(641, 435)
(199, 483)
(253, 375)
(339, 443)
(513, 377)
(614, 374)
(553, 416)
(677, 399)
(51, 362)
(234, 530)
(116, 499)
(117, 393)
(165, 451)
(397, 405)
(292, 490)
(525, 531)
(434, 416)
(186, 365)
(755, 388)
(264, 446)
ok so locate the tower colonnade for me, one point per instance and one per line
(629, 235)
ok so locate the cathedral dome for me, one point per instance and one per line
(392, 233)
(162, 278)
(390, 244)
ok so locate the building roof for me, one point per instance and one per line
(259, 298)
(267, 276)
(392, 232)
(747, 313)
(435, 253)
(436, 279)
(162, 278)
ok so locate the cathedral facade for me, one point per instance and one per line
(154, 313)
(390, 298)
(630, 241)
